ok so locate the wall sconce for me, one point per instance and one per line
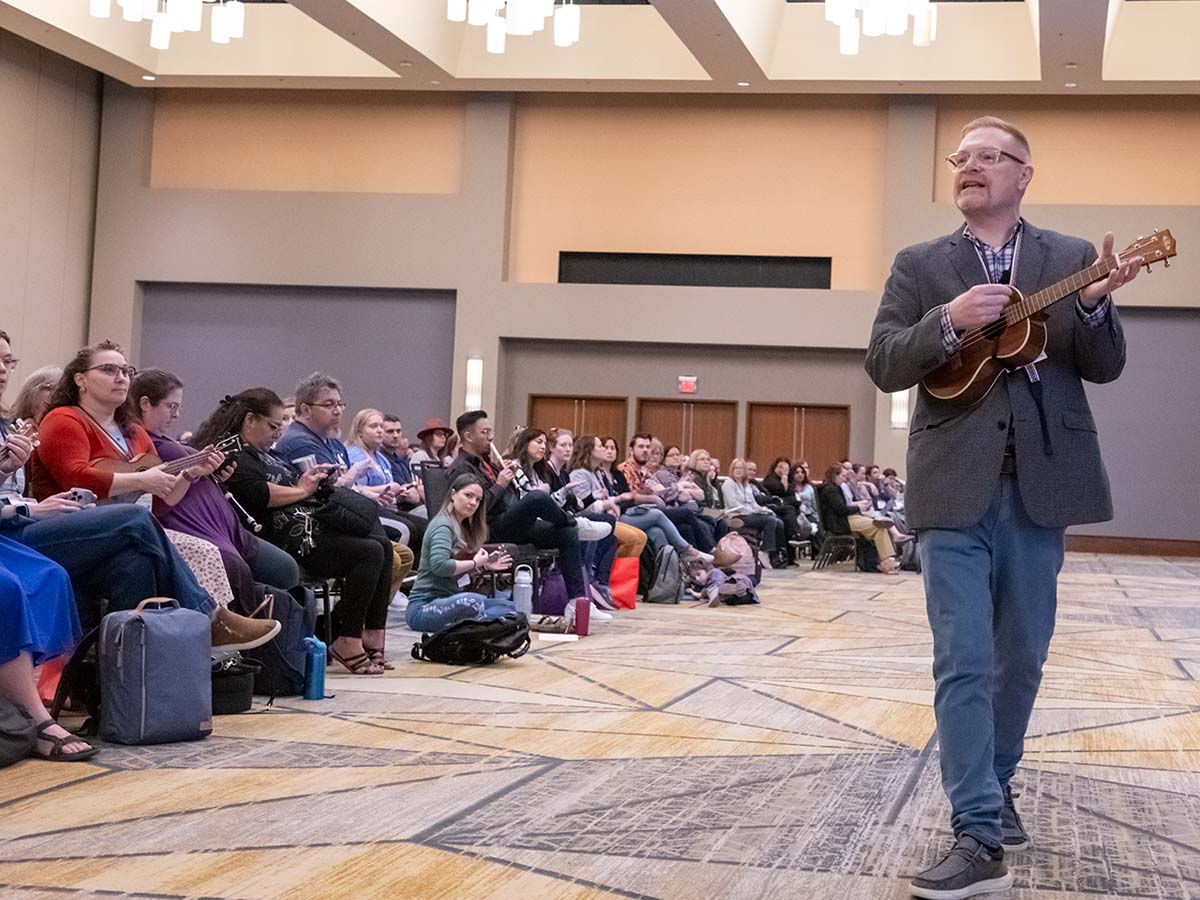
(900, 409)
(474, 398)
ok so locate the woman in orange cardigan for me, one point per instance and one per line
(88, 421)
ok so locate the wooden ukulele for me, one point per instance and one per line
(1019, 336)
(174, 467)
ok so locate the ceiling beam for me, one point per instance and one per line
(345, 19)
(1072, 34)
(713, 40)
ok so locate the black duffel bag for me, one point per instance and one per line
(348, 512)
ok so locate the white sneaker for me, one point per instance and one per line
(599, 615)
(399, 600)
(591, 530)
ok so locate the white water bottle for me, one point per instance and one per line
(523, 590)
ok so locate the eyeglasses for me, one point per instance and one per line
(112, 370)
(331, 404)
(10, 362)
(173, 408)
(273, 425)
(984, 156)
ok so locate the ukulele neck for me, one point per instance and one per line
(1048, 296)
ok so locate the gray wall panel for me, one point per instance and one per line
(1149, 424)
(392, 350)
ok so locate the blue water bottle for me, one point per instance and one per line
(314, 668)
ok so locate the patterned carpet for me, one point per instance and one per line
(781, 751)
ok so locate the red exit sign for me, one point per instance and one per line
(687, 384)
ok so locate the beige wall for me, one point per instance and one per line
(49, 141)
(307, 141)
(800, 176)
(1138, 151)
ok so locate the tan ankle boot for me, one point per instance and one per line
(233, 632)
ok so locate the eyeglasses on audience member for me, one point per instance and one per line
(112, 370)
(330, 404)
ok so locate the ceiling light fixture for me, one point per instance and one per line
(167, 17)
(518, 18)
(149, 78)
(743, 84)
(880, 17)
(1070, 84)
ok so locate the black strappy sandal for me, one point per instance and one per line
(57, 753)
(359, 664)
(377, 657)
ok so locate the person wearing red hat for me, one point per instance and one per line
(433, 438)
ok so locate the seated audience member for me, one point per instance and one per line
(557, 470)
(34, 397)
(453, 550)
(590, 479)
(777, 490)
(283, 499)
(616, 478)
(87, 434)
(199, 508)
(366, 443)
(740, 503)
(314, 432)
(841, 515)
(534, 518)
(593, 497)
(450, 454)
(433, 439)
(395, 447)
(803, 499)
(38, 622)
(696, 529)
(699, 463)
(289, 413)
(530, 451)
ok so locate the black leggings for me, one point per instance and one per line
(536, 519)
(365, 566)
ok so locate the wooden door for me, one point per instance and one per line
(547, 411)
(603, 415)
(713, 426)
(819, 434)
(691, 424)
(665, 419)
(825, 437)
(773, 430)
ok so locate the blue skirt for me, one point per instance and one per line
(37, 608)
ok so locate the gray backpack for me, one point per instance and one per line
(155, 674)
(667, 584)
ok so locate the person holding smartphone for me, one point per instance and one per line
(453, 549)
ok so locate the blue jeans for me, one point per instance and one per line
(117, 552)
(660, 530)
(991, 595)
(432, 616)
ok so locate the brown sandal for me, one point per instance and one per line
(359, 664)
(57, 754)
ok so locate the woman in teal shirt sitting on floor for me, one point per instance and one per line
(437, 600)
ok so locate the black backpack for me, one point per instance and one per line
(282, 659)
(475, 643)
(79, 683)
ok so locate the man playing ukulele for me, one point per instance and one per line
(993, 486)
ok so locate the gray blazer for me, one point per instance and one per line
(954, 454)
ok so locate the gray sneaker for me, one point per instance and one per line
(968, 869)
(1013, 835)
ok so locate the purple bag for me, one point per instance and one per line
(552, 594)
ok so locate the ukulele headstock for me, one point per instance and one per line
(1156, 247)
